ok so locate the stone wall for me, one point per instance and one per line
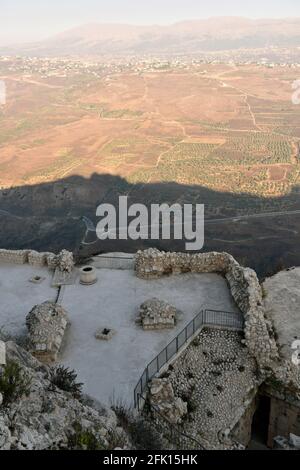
(46, 325)
(14, 256)
(242, 431)
(64, 260)
(243, 283)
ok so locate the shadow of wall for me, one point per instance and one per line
(48, 217)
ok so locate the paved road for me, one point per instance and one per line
(8, 213)
(251, 216)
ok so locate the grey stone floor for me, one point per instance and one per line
(18, 295)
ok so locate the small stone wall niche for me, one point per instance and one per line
(46, 324)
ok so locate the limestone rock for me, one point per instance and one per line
(65, 261)
(163, 399)
(48, 417)
(295, 441)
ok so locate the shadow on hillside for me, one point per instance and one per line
(48, 217)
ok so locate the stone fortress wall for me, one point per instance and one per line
(243, 283)
(33, 258)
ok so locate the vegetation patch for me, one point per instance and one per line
(14, 383)
(65, 379)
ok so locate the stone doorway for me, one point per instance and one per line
(260, 423)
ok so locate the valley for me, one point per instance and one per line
(75, 133)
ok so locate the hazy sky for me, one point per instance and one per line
(36, 19)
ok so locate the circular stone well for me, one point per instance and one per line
(88, 276)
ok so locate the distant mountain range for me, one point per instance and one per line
(208, 35)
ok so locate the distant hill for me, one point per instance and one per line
(208, 35)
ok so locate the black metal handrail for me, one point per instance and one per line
(204, 318)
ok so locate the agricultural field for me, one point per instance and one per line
(224, 135)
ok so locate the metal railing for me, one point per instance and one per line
(204, 318)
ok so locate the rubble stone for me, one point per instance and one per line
(156, 314)
(46, 325)
(161, 396)
(65, 261)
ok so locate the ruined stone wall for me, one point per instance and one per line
(34, 258)
(14, 256)
(46, 325)
(243, 283)
(242, 431)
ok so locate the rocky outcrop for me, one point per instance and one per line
(156, 314)
(281, 305)
(243, 283)
(46, 325)
(50, 418)
(283, 443)
(161, 396)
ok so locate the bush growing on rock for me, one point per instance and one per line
(13, 383)
(65, 379)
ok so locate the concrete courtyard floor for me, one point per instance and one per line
(111, 369)
(18, 295)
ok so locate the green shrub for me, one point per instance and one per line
(65, 379)
(13, 382)
(83, 439)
